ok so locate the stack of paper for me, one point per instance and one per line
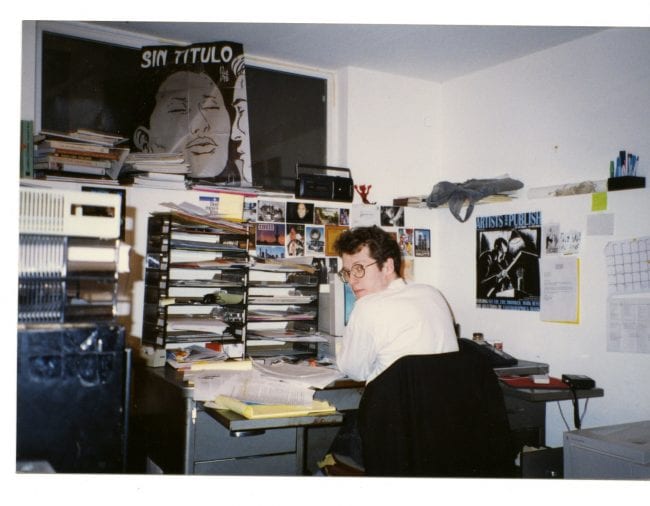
(277, 390)
(256, 411)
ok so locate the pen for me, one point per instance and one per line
(621, 156)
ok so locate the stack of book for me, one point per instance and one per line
(158, 170)
(82, 152)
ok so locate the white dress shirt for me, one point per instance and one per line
(404, 319)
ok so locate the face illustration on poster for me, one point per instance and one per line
(239, 133)
(194, 102)
(189, 117)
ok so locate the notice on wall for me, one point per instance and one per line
(628, 324)
(560, 297)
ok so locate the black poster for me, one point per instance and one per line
(194, 101)
(507, 261)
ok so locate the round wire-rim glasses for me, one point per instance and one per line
(357, 270)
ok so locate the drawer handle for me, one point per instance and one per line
(247, 433)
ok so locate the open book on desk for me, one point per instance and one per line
(281, 383)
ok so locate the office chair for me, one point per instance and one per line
(436, 415)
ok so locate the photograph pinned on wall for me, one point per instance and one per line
(314, 239)
(344, 216)
(252, 236)
(270, 234)
(269, 251)
(300, 212)
(405, 241)
(551, 233)
(321, 268)
(332, 232)
(364, 215)
(333, 265)
(295, 240)
(270, 211)
(326, 216)
(570, 242)
(392, 216)
(250, 209)
(422, 242)
(408, 269)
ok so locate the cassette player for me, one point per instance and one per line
(320, 182)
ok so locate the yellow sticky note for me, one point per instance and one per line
(231, 206)
(599, 201)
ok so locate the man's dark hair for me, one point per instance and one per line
(381, 245)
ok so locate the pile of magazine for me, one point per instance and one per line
(81, 153)
(157, 170)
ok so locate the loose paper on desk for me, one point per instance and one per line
(316, 377)
(560, 298)
(251, 386)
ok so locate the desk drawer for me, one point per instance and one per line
(213, 441)
(523, 414)
(270, 465)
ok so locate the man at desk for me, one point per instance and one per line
(390, 319)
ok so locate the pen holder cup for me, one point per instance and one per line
(625, 183)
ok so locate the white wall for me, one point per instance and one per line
(389, 129)
(555, 117)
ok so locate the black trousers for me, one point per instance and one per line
(347, 447)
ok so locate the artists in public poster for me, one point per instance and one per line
(507, 261)
(194, 102)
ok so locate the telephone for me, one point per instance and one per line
(496, 358)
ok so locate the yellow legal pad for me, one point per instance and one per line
(254, 411)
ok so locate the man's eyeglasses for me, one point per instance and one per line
(357, 270)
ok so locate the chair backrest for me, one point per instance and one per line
(436, 415)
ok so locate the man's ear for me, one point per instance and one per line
(389, 266)
(141, 139)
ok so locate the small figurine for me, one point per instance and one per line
(363, 191)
